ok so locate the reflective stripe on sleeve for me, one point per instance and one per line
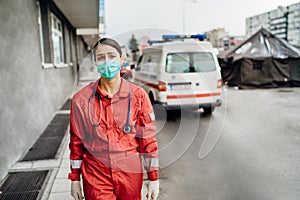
(152, 116)
(76, 164)
(151, 162)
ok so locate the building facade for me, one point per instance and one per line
(221, 40)
(215, 35)
(39, 59)
(284, 22)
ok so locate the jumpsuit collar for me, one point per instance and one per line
(123, 91)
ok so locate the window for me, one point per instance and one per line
(54, 34)
(151, 62)
(177, 63)
(204, 62)
(57, 40)
(257, 65)
(190, 62)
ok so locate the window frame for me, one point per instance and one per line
(257, 65)
(57, 30)
(53, 24)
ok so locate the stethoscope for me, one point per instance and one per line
(126, 128)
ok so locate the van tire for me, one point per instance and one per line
(208, 110)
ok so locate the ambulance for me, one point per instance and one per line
(181, 71)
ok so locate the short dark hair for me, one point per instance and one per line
(110, 42)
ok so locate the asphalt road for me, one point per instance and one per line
(248, 149)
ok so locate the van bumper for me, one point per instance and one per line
(217, 103)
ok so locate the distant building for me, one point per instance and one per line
(143, 42)
(284, 22)
(215, 35)
(230, 41)
(222, 40)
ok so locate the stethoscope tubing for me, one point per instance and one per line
(126, 129)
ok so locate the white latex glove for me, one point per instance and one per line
(76, 191)
(153, 190)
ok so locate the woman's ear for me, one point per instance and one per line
(122, 60)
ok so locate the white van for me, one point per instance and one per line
(181, 74)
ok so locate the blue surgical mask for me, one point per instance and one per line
(109, 69)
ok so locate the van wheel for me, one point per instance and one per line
(208, 110)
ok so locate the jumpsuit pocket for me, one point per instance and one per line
(127, 140)
(130, 163)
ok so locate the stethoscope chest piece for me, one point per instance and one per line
(126, 129)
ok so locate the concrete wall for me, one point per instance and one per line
(29, 94)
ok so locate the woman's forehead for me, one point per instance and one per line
(102, 48)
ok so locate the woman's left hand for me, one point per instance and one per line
(153, 190)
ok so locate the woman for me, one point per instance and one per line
(112, 125)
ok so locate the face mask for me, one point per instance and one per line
(109, 69)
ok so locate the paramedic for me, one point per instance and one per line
(112, 134)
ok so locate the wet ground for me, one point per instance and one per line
(248, 149)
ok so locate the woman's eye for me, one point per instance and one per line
(112, 56)
(100, 58)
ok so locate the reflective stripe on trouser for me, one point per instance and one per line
(103, 182)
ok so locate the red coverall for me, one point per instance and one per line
(108, 158)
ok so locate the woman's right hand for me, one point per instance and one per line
(76, 191)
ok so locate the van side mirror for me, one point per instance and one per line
(132, 66)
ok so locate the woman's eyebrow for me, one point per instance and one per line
(106, 53)
(111, 52)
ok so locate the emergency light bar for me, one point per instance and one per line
(174, 37)
(155, 41)
(168, 38)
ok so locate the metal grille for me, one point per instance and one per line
(23, 185)
(48, 143)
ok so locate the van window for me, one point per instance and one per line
(190, 62)
(151, 58)
(177, 63)
(150, 62)
(204, 62)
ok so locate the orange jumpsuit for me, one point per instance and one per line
(108, 158)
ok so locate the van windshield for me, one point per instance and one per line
(190, 62)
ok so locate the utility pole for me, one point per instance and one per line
(102, 28)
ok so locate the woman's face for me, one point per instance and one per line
(107, 53)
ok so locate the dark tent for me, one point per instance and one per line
(262, 61)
